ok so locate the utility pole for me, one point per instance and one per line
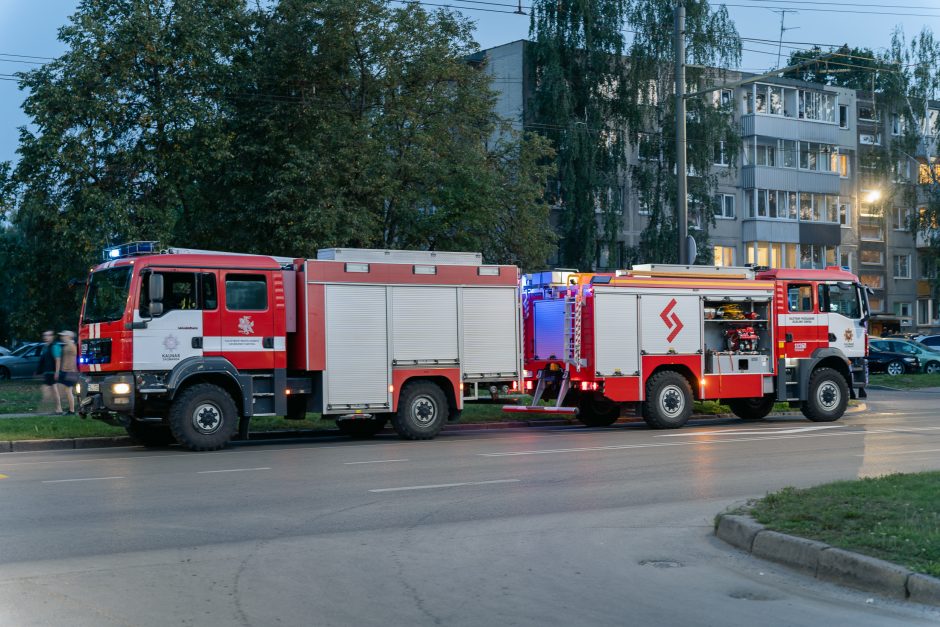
(783, 15)
(682, 200)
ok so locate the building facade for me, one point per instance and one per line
(799, 195)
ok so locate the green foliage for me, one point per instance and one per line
(276, 128)
(599, 99)
(712, 41)
(894, 517)
(855, 68)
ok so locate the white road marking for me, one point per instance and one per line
(83, 479)
(688, 443)
(445, 485)
(768, 430)
(929, 450)
(375, 461)
(208, 472)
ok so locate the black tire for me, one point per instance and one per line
(203, 418)
(828, 396)
(668, 403)
(895, 368)
(4, 374)
(361, 428)
(596, 410)
(751, 408)
(296, 407)
(151, 436)
(422, 411)
(932, 367)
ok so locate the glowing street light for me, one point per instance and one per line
(873, 196)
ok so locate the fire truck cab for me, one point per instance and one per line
(659, 337)
(187, 346)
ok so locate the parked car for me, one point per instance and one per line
(4, 351)
(21, 363)
(914, 337)
(890, 362)
(933, 341)
(929, 358)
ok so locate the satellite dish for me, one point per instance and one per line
(691, 248)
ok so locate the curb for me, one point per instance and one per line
(826, 562)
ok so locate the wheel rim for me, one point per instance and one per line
(933, 367)
(424, 410)
(672, 401)
(894, 369)
(207, 418)
(828, 395)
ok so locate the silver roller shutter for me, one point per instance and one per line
(490, 337)
(357, 363)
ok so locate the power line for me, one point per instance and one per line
(851, 4)
(846, 11)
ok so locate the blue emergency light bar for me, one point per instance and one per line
(131, 249)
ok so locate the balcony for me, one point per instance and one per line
(765, 177)
(790, 128)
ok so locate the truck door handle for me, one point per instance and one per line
(197, 342)
(267, 342)
(832, 337)
(789, 337)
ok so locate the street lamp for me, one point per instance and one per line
(873, 196)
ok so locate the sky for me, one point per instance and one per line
(29, 28)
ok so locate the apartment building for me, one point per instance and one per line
(799, 195)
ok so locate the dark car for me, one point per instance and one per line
(928, 357)
(21, 363)
(891, 362)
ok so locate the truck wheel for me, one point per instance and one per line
(751, 408)
(151, 436)
(828, 396)
(203, 418)
(668, 403)
(360, 428)
(422, 410)
(596, 410)
(296, 407)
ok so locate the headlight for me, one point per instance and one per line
(121, 388)
(78, 389)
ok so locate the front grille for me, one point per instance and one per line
(97, 351)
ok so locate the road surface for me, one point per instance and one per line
(552, 526)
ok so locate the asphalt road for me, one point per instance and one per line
(564, 526)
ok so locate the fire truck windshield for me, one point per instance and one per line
(107, 295)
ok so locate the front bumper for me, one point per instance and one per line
(97, 396)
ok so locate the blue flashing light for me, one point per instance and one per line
(131, 249)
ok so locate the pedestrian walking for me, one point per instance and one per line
(47, 368)
(67, 373)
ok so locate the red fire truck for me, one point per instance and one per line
(187, 346)
(659, 337)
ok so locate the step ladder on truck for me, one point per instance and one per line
(657, 338)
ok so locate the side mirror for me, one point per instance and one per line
(156, 295)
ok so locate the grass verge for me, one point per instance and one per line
(906, 381)
(20, 397)
(894, 518)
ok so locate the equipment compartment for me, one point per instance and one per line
(738, 335)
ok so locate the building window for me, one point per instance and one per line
(843, 116)
(816, 256)
(841, 165)
(724, 206)
(902, 310)
(723, 255)
(923, 311)
(928, 267)
(871, 257)
(766, 155)
(721, 155)
(901, 218)
(875, 304)
(874, 281)
(788, 152)
(895, 124)
(870, 139)
(871, 233)
(902, 266)
(845, 214)
(845, 260)
(642, 207)
(867, 113)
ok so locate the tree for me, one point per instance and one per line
(599, 99)
(856, 68)
(712, 42)
(360, 124)
(126, 121)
